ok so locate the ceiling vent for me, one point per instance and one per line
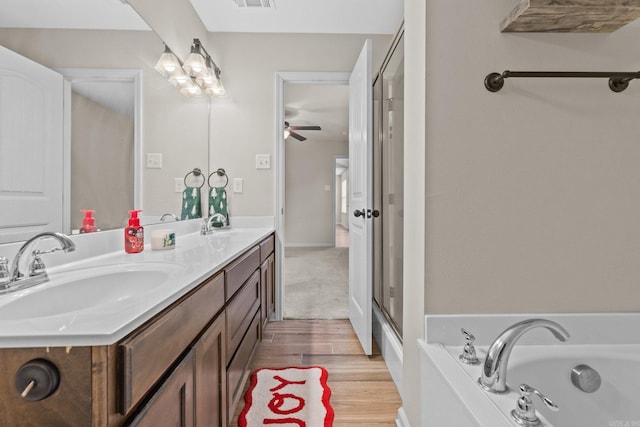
(256, 4)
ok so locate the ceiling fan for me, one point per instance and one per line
(288, 131)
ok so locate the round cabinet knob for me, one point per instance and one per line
(37, 379)
(375, 213)
(358, 213)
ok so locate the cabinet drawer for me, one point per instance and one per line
(239, 271)
(240, 311)
(266, 247)
(144, 356)
(238, 370)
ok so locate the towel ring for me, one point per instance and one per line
(196, 172)
(219, 172)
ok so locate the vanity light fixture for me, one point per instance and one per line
(168, 63)
(198, 74)
(196, 64)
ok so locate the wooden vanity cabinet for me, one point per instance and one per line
(173, 403)
(210, 376)
(267, 279)
(185, 367)
(268, 291)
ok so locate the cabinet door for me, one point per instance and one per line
(172, 405)
(210, 377)
(271, 285)
(264, 291)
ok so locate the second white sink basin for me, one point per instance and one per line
(87, 288)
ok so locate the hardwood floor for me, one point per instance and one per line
(362, 391)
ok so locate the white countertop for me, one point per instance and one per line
(196, 256)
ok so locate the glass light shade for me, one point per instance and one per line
(206, 78)
(167, 64)
(191, 89)
(216, 90)
(195, 64)
(287, 132)
(179, 78)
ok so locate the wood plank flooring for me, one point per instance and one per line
(362, 390)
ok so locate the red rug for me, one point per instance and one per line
(290, 397)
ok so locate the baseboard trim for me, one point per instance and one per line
(308, 245)
(402, 420)
(390, 346)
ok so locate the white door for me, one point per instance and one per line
(31, 153)
(360, 198)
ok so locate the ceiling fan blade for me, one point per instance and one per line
(305, 127)
(297, 136)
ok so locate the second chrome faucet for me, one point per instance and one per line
(494, 369)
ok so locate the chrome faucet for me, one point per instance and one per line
(494, 369)
(170, 215)
(218, 218)
(37, 273)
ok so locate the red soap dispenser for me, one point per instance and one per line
(134, 234)
(88, 222)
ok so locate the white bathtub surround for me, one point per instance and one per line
(194, 258)
(609, 343)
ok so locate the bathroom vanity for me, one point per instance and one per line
(183, 361)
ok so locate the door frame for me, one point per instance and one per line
(101, 75)
(319, 78)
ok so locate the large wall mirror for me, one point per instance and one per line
(121, 110)
(103, 145)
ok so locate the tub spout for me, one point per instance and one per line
(494, 369)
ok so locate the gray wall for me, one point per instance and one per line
(243, 124)
(309, 208)
(101, 159)
(532, 193)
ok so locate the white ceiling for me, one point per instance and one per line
(303, 16)
(288, 16)
(326, 106)
(75, 14)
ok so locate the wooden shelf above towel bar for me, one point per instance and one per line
(571, 16)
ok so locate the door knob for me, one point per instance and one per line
(373, 213)
(358, 213)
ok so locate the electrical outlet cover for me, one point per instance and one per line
(263, 161)
(154, 160)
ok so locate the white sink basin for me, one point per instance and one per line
(87, 288)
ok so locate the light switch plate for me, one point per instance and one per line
(263, 161)
(178, 185)
(154, 160)
(237, 185)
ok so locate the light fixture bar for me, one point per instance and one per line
(196, 75)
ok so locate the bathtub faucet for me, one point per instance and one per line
(494, 369)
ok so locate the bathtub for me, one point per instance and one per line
(453, 397)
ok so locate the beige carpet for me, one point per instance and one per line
(316, 283)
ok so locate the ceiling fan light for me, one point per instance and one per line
(287, 132)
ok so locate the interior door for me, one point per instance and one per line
(31, 148)
(360, 202)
